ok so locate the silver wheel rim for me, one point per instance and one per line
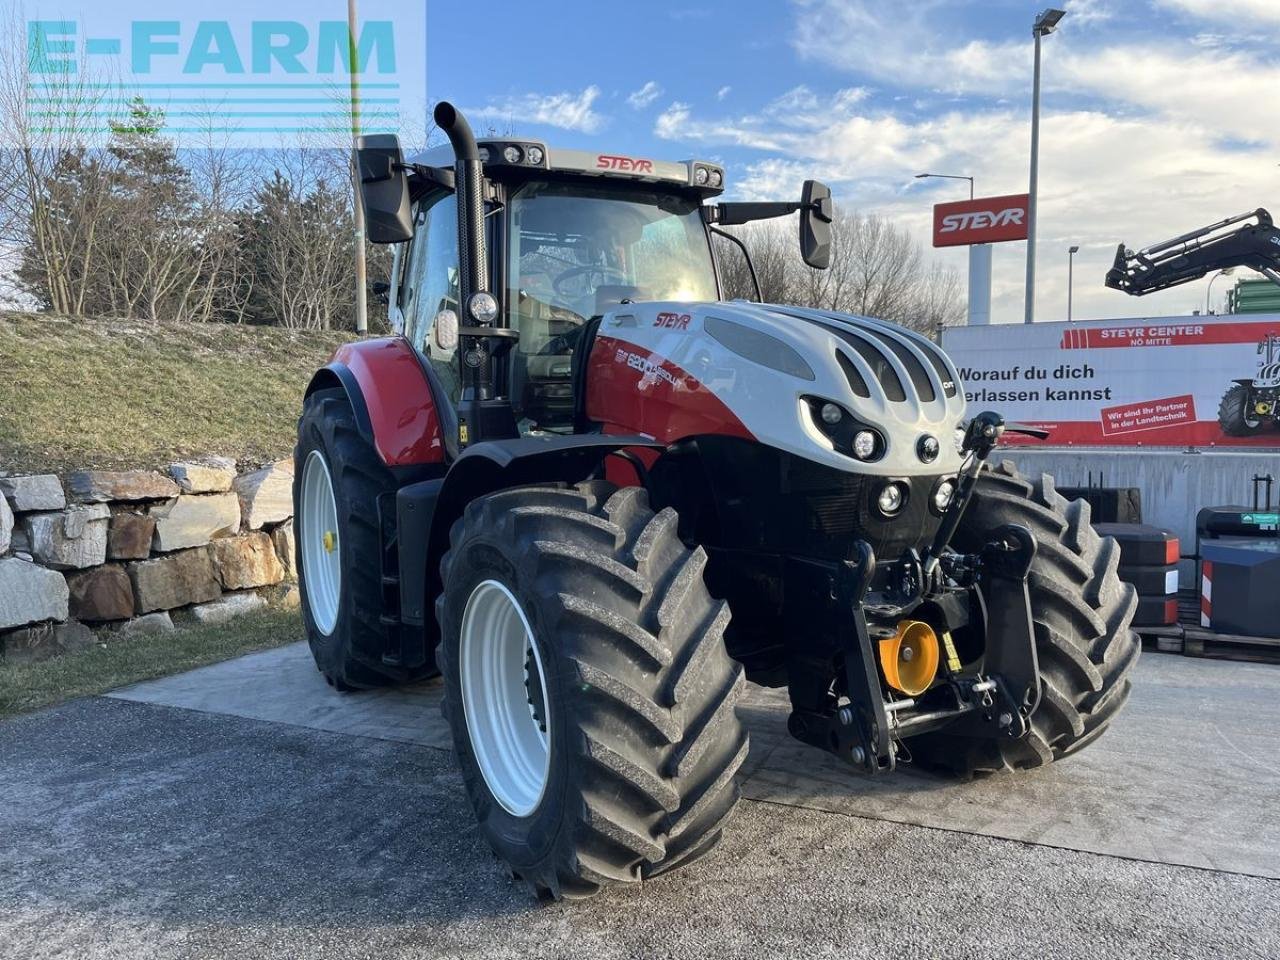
(500, 672)
(318, 539)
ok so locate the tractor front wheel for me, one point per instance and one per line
(1236, 415)
(337, 480)
(587, 686)
(1081, 612)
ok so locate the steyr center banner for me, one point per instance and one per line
(1146, 382)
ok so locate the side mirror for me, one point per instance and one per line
(384, 188)
(816, 214)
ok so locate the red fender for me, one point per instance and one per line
(396, 396)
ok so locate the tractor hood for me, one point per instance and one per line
(767, 372)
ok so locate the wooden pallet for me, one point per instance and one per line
(1189, 638)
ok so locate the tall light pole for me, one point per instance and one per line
(1225, 272)
(1044, 25)
(357, 205)
(947, 176)
(1071, 263)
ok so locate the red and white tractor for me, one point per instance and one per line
(597, 498)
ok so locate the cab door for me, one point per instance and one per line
(427, 296)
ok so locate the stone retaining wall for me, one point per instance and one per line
(102, 554)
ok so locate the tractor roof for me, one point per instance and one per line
(512, 157)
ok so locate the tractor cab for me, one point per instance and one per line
(572, 235)
(558, 239)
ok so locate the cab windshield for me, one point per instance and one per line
(577, 251)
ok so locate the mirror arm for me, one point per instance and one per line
(751, 267)
(734, 214)
(441, 176)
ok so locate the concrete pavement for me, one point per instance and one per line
(264, 824)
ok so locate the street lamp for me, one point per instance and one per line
(1225, 272)
(948, 176)
(979, 264)
(1071, 258)
(1044, 25)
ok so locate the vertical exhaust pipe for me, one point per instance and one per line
(482, 413)
(473, 265)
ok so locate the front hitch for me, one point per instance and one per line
(997, 702)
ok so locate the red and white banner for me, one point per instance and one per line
(984, 220)
(1147, 382)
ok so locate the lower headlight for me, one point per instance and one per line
(943, 495)
(891, 499)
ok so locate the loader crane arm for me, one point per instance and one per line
(1254, 243)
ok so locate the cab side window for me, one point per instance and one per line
(429, 286)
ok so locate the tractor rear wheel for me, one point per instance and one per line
(1081, 612)
(1236, 415)
(587, 686)
(337, 479)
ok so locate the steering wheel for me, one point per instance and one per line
(560, 282)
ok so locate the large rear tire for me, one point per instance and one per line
(1081, 612)
(1235, 416)
(587, 686)
(337, 479)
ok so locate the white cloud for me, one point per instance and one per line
(904, 49)
(641, 98)
(1246, 11)
(568, 111)
(1141, 139)
(1104, 180)
(1216, 89)
(1088, 11)
(723, 92)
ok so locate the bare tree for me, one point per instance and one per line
(876, 270)
(46, 146)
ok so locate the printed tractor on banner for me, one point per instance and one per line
(1252, 405)
(597, 498)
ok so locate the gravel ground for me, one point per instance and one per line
(132, 830)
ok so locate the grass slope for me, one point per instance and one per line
(115, 394)
(29, 686)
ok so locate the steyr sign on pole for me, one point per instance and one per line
(976, 224)
(984, 220)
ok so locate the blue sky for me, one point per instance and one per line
(1159, 115)
(1155, 117)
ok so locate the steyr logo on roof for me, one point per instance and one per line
(624, 164)
(984, 220)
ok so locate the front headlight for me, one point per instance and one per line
(864, 444)
(891, 499)
(846, 433)
(943, 494)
